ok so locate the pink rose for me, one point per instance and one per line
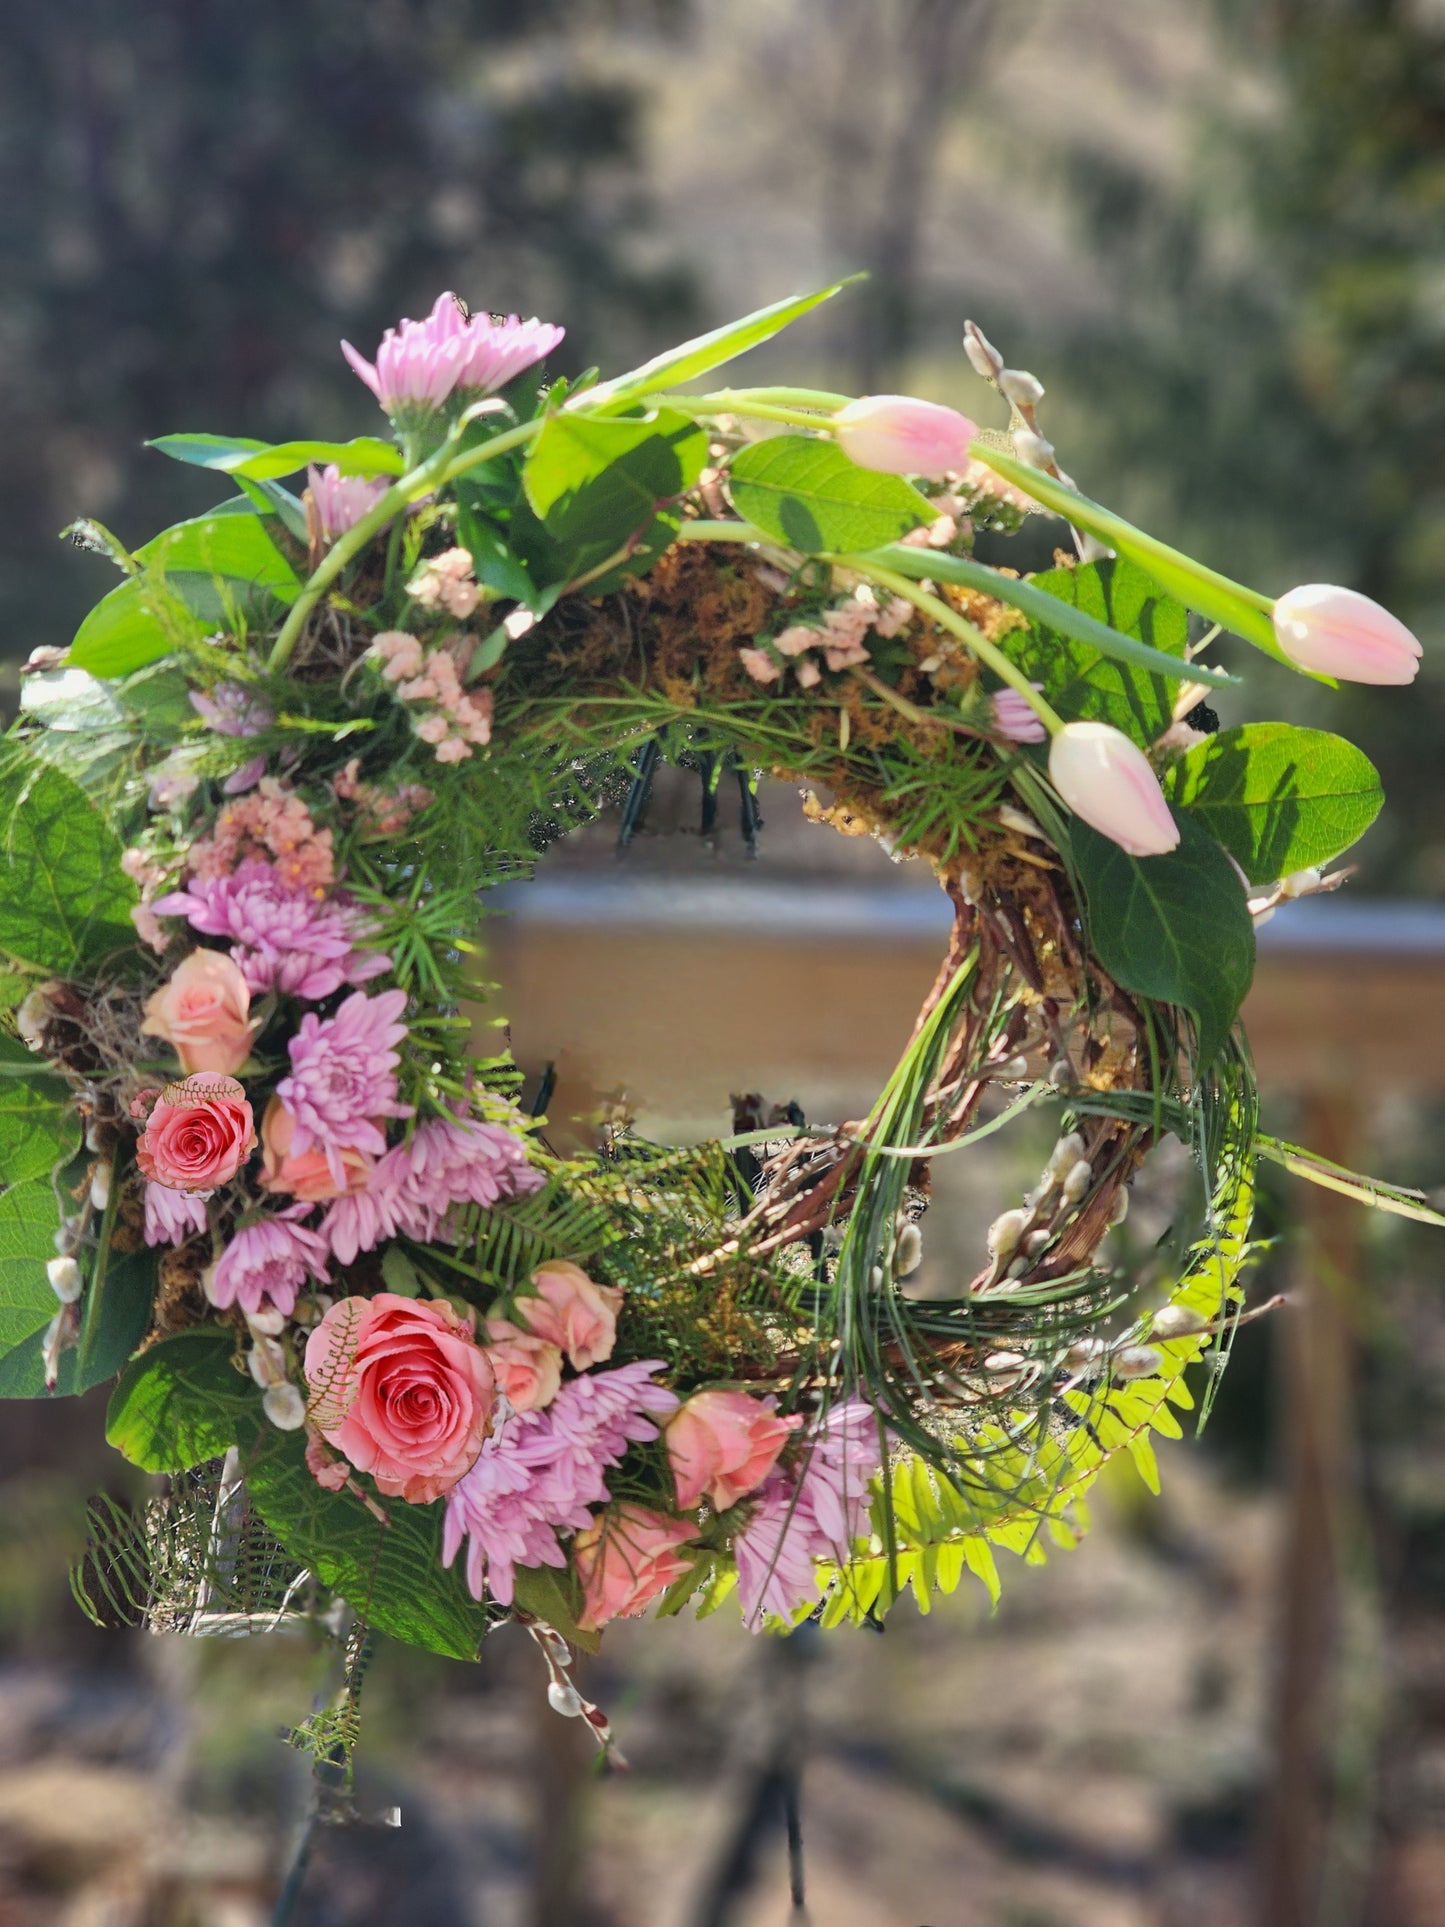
(203, 1013)
(309, 1175)
(402, 1389)
(527, 1368)
(724, 1444)
(198, 1136)
(571, 1312)
(626, 1560)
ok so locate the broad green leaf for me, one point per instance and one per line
(179, 1403)
(39, 1125)
(28, 1220)
(1228, 603)
(265, 461)
(803, 491)
(492, 560)
(1174, 927)
(1277, 797)
(1076, 606)
(703, 353)
(552, 1593)
(63, 896)
(196, 576)
(390, 1573)
(596, 483)
(125, 1313)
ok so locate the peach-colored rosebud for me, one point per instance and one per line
(1107, 780)
(570, 1311)
(626, 1559)
(198, 1135)
(308, 1176)
(1339, 632)
(203, 1013)
(901, 435)
(722, 1445)
(527, 1368)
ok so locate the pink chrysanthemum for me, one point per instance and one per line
(540, 1473)
(414, 1188)
(1015, 719)
(269, 1260)
(172, 1216)
(343, 1077)
(231, 710)
(420, 363)
(814, 1512)
(283, 938)
(340, 501)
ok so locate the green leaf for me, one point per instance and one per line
(391, 1573)
(703, 353)
(493, 562)
(179, 1403)
(1232, 606)
(1087, 684)
(552, 1593)
(596, 483)
(1279, 798)
(197, 576)
(1078, 606)
(803, 491)
(39, 1125)
(125, 1313)
(63, 896)
(265, 461)
(1172, 927)
(28, 1221)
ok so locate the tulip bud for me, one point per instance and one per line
(1106, 779)
(1339, 632)
(901, 435)
(64, 1276)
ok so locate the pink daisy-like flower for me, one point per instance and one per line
(284, 937)
(268, 1260)
(1015, 719)
(341, 500)
(232, 710)
(420, 363)
(413, 1189)
(343, 1077)
(813, 1512)
(172, 1216)
(540, 1473)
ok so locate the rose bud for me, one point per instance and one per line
(571, 1312)
(1339, 632)
(723, 1445)
(626, 1559)
(900, 435)
(1107, 780)
(203, 1013)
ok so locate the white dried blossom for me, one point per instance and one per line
(1004, 1234)
(1019, 388)
(1077, 1180)
(1032, 448)
(100, 1186)
(1119, 1209)
(1138, 1361)
(267, 1361)
(284, 1406)
(1065, 1154)
(908, 1252)
(1176, 1321)
(65, 1280)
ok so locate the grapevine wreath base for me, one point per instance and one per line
(406, 1369)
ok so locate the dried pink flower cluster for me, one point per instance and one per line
(540, 1473)
(274, 822)
(449, 719)
(838, 637)
(380, 812)
(232, 710)
(811, 1513)
(446, 582)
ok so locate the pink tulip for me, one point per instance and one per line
(1107, 780)
(724, 1444)
(900, 435)
(1339, 632)
(624, 1560)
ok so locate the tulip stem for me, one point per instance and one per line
(90, 1322)
(947, 618)
(442, 467)
(740, 403)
